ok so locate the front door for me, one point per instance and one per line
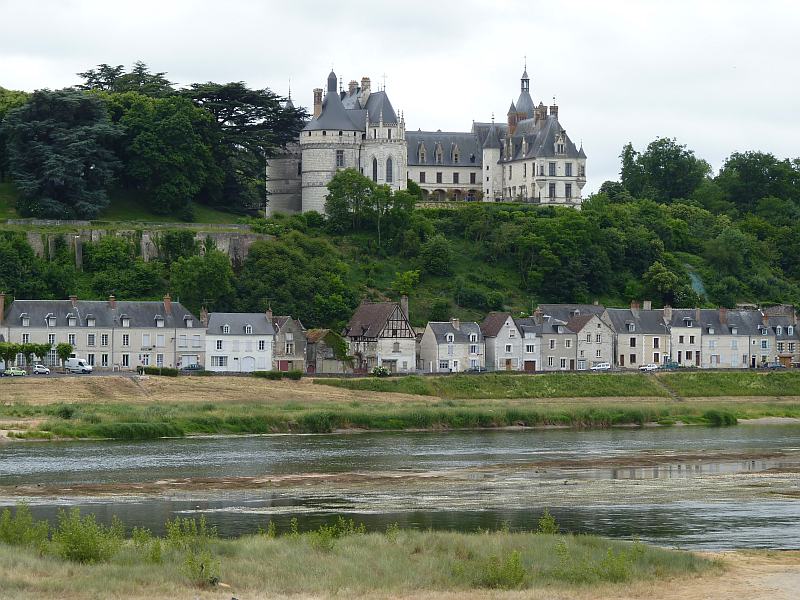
(455, 366)
(571, 364)
(248, 364)
(786, 361)
(530, 366)
(508, 364)
(697, 358)
(621, 360)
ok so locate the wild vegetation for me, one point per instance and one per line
(338, 556)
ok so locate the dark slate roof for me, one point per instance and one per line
(334, 116)
(540, 139)
(551, 325)
(745, 322)
(237, 322)
(644, 321)
(369, 319)
(460, 336)
(493, 323)
(565, 312)
(482, 130)
(783, 322)
(377, 104)
(280, 321)
(525, 103)
(492, 140)
(140, 313)
(528, 325)
(467, 143)
(512, 110)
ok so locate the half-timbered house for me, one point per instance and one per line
(379, 334)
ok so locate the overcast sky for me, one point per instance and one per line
(720, 76)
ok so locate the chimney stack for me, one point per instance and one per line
(317, 102)
(404, 305)
(634, 306)
(204, 317)
(537, 315)
(764, 319)
(365, 90)
(723, 315)
(269, 315)
(554, 111)
(112, 302)
(167, 304)
(648, 305)
(74, 300)
(697, 315)
(456, 323)
(2, 307)
(667, 314)
(352, 87)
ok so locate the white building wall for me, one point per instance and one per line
(507, 350)
(241, 353)
(405, 356)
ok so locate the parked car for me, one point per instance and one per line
(649, 367)
(194, 367)
(775, 366)
(14, 372)
(40, 369)
(604, 366)
(670, 366)
(77, 365)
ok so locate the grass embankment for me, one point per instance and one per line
(84, 560)
(754, 384)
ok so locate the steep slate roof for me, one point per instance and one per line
(540, 138)
(237, 322)
(492, 140)
(468, 147)
(140, 313)
(565, 312)
(334, 115)
(482, 130)
(280, 321)
(377, 103)
(528, 325)
(369, 319)
(493, 323)
(644, 321)
(460, 336)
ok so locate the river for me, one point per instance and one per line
(688, 487)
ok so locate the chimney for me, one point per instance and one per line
(596, 302)
(317, 102)
(167, 304)
(648, 305)
(723, 316)
(269, 314)
(365, 90)
(554, 111)
(2, 307)
(204, 317)
(634, 306)
(404, 305)
(697, 316)
(112, 302)
(456, 323)
(667, 314)
(352, 87)
(764, 319)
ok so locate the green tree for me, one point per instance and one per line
(436, 256)
(747, 177)
(114, 79)
(60, 154)
(204, 280)
(440, 310)
(405, 282)
(8, 352)
(664, 172)
(63, 351)
(349, 196)
(8, 99)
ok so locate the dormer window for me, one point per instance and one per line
(226, 328)
(779, 330)
(473, 337)
(50, 319)
(631, 327)
(456, 155)
(125, 320)
(734, 331)
(790, 330)
(472, 158)
(159, 321)
(90, 321)
(438, 155)
(422, 154)
(26, 320)
(711, 331)
(248, 329)
(687, 322)
(72, 320)
(188, 321)
(449, 338)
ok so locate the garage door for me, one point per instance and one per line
(248, 364)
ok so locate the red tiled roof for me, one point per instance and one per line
(493, 323)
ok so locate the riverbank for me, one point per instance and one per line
(152, 407)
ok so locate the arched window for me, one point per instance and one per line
(226, 328)
(248, 329)
(374, 169)
(422, 154)
(389, 170)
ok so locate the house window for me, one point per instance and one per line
(374, 169)
(691, 339)
(568, 169)
(688, 355)
(549, 361)
(552, 344)
(551, 190)
(680, 339)
(90, 339)
(51, 339)
(443, 364)
(780, 346)
(340, 158)
(734, 343)
(144, 359)
(104, 360)
(159, 360)
(196, 341)
(289, 348)
(422, 176)
(598, 353)
(71, 339)
(146, 340)
(632, 343)
(598, 338)
(791, 346)
(26, 338)
(568, 190)
(183, 341)
(262, 345)
(473, 348)
(779, 330)
(26, 322)
(656, 357)
(455, 177)
(508, 348)
(126, 360)
(226, 328)
(656, 342)
(633, 359)
(90, 322)
(450, 350)
(529, 348)
(159, 322)
(449, 338)
(126, 322)
(472, 178)
(51, 321)
(160, 340)
(438, 177)
(588, 338)
(389, 170)
(552, 169)
(104, 339)
(126, 339)
(219, 345)
(563, 363)
(72, 321)
(219, 361)
(567, 343)
(790, 330)
(473, 337)
(90, 359)
(248, 329)
(765, 344)
(396, 347)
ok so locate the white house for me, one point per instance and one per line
(452, 346)
(504, 343)
(239, 342)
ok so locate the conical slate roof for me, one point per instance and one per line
(492, 139)
(512, 109)
(525, 104)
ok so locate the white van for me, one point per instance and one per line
(77, 365)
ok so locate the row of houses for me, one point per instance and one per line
(124, 335)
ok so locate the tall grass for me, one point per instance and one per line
(749, 383)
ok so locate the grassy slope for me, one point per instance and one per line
(748, 383)
(407, 563)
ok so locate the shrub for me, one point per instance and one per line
(268, 374)
(165, 371)
(201, 568)
(189, 534)
(21, 530)
(503, 574)
(295, 375)
(83, 539)
(547, 524)
(64, 411)
(147, 545)
(720, 418)
(380, 372)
